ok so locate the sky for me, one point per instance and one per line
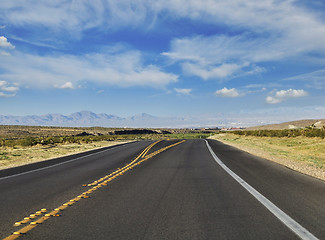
(258, 60)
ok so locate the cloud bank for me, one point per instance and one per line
(283, 95)
(258, 32)
(269, 31)
(123, 69)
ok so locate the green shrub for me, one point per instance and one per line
(307, 132)
(26, 142)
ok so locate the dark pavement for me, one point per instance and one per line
(180, 193)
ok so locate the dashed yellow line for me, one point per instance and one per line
(96, 185)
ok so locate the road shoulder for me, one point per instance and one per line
(290, 161)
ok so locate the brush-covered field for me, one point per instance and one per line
(20, 145)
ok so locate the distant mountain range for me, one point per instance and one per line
(90, 119)
(144, 120)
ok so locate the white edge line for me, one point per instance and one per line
(58, 164)
(282, 216)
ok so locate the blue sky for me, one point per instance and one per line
(256, 61)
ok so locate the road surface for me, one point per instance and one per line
(161, 190)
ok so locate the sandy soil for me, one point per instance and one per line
(305, 155)
(17, 156)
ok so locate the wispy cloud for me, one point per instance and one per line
(229, 93)
(74, 17)
(283, 95)
(185, 91)
(3, 53)
(66, 44)
(270, 31)
(282, 18)
(314, 79)
(122, 69)
(266, 30)
(212, 72)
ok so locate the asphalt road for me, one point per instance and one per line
(178, 192)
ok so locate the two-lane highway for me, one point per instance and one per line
(160, 190)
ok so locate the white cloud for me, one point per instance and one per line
(185, 91)
(124, 69)
(4, 87)
(220, 50)
(67, 85)
(10, 89)
(4, 43)
(2, 94)
(283, 95)
(270, 31)
(7, 90)
(282, 19)
(230, 93)
(74, 17)
(272, 100)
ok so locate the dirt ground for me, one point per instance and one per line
(17, 156)
(305, 155)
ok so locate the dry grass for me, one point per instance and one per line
(17, 156)
(306, 155)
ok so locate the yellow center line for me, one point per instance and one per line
(142, 154)
(147, 150)
(98, 185)
(30, 217)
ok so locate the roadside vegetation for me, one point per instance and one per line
(300, 149)
(21, 145)
(27, 136)
(305, 132)
(55, 140)
(189, 135)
